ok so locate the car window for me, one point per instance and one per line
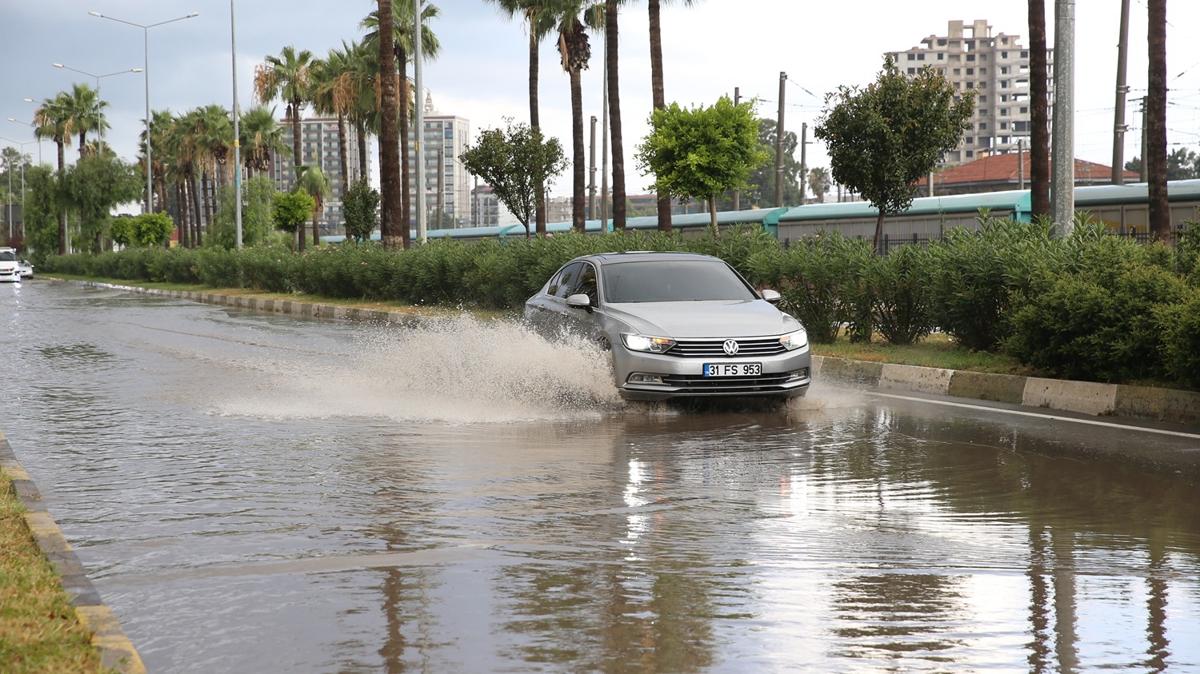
(587, 284)
(673, 281)
(566, 280)
(8, 256)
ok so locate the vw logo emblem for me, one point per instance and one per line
(731, 347)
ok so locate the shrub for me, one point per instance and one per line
(1178, 327)
(901, 297)
(361, 210)
(1098, 326)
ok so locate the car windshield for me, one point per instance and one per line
(673, 281)
(8, 256)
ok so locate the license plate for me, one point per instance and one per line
(732, 369)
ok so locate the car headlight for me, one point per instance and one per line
(647, 344)
(794, 340)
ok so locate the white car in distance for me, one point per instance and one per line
(10, 268)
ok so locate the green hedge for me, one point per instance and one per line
(1092, 306)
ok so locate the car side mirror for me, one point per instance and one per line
(771, 296)
(579, 301)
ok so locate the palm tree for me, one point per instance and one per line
(403, 25)
(363, 79)
(313, 181)
(1156, 121)
(614, 113)
(286, 76)
(160, 126)
(575, 50)
(389, 154)
(333, 94)
(261, 138)
(660, 96)
(53, 119)
(540, 18)
(1039, 110)
(87, 113)
(819, 180)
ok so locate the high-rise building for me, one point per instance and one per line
(486, 209)
(996, 68)
(446, 137)
(319, 147)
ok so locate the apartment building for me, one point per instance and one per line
(996, 69)
(319, 147)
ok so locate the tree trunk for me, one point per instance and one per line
(197, 239)
(63, 243)
(713, 228)
(879, 233)
(209, 197)
(389, 151)
(535, 124)
(185, 220)
(82, 142)
(316, 231)
(405, 170)
(344, 157)
(1039, 110)
(1156, 122)
(361, 131)
(578, 198)
(297, 157)
(614, 115)
(660, 99)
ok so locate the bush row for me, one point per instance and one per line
(1092, 306)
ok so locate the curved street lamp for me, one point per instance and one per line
(146, 70)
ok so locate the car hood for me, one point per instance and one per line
(718, 318)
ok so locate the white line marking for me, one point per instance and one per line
(1038, 415)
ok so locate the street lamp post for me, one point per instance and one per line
(20, 148)
(14, 120)
(98, 78)
(146, 69)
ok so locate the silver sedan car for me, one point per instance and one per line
(677, 324)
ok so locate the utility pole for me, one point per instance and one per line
(591, 209)
(1062, 197)
(779, 130)
(1118, 161)
(803, 161)
(929, 192)
(1021, 162)
(737, 194)
(419, 136)
(1142, 169)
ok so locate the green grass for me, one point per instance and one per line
(934, 351)
(39, 631)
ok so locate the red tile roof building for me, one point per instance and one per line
(999, 172)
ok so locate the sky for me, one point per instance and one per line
(481, 74)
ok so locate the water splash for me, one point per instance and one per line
(458, 369)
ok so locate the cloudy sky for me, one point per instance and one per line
(708, 48)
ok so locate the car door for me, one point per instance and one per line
(584, 322)
(549, 309)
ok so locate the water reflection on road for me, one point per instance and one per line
(252, 493)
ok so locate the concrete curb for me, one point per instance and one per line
(1134, 402)
(1083, 397)
(116, 650)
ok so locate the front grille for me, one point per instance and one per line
(695, 383)
(715, 348)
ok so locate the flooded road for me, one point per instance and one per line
(255, 493)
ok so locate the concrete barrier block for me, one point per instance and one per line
(851, 371)
(1003, 388)
(1071, 396)
(932, 380)
(1161, 404)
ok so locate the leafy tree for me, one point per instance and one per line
(41, 213)
(148, 229)
(883, 138)
(702, 152)
(1182, 164)
(257, 196)
(361, 210)
(511, 161)
(96, 184)
(290, 210)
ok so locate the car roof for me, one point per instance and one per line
(644, 256)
